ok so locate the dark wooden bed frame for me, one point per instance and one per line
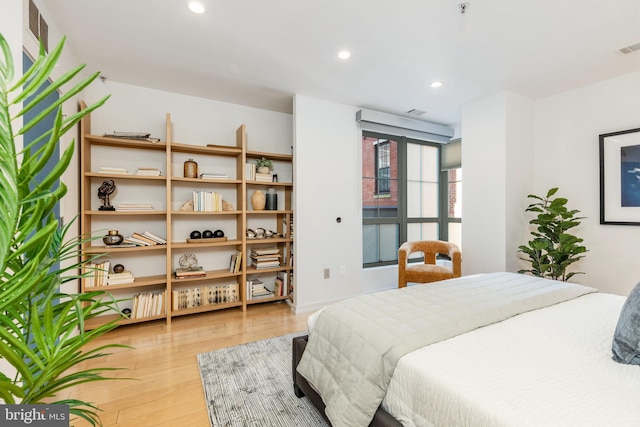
(301, 387)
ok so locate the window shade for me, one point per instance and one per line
(452, 154)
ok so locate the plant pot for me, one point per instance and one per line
(264, 169)
(258, 200)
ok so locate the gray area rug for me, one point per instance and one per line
(251, 385)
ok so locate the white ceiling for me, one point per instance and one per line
(260, 53)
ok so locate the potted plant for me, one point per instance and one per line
(552, 250)
(42, 330)
(264, 165)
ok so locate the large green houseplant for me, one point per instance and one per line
(552, 249)
(42, 332)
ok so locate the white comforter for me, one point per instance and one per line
(549, 367)
(356, 344)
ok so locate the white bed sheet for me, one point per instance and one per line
(548, 367)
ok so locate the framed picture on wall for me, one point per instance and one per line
(620, 177)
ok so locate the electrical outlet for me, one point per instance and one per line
(343, 270)
(327, 273)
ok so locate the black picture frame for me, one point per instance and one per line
(620, 177)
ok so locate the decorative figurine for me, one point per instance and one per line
(106, 189)
(188, 261)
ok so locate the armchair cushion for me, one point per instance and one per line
(431, 270)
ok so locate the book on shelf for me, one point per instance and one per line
(182, 273)
(250, 171)
(114, 170)
(149, 172)
(214, 175)
(160, 240)
(200, 296)
(206, 201)
(120, 278)
(143, 238)
(236, 262)
(262, 295)
(265, 257)
(97, 274)
(146, 304)
(136, 242)
(265, 251)
(265, 264)
(283, 278)
(134, 207)
(124, 244)
(263, 177)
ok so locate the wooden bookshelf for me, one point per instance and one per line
(169, 222)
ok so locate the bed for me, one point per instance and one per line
(498, 349)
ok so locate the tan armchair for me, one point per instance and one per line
(429, 271)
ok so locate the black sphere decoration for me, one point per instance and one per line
(195, 234)
(218, 233)
(126, 312)
(118, 268)
(207, 234)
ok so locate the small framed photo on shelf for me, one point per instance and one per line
(620, 177)
(274, 178)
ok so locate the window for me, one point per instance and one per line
(401, 187)
(383, 160)
(403, 184)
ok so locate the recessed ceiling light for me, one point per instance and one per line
(196, 7)
(436, 84)
(344, 54)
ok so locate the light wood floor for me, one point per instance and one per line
(167, 390)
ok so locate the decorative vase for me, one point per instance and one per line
(264, 169)
(190, 169)
(258, 200)
(272, 200)
(113, 238)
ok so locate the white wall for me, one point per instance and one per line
(566, 155)
(327, 179)
(497, 153)
(194, 120)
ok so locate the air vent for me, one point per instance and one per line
(38, 26)
(629, 49)
(416, 112)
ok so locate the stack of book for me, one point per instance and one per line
(257, 290)
(120, 278)
(134, 207)
(281, 284)
(147, 304)
(144, 239)
(97, 273)
(149, 172)
(190, 273)
(214, 175)
(265, 257)
(207, 295)
(207, 201)
(263, 177)
(113, 170)
(236, 262)
(250, 171)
